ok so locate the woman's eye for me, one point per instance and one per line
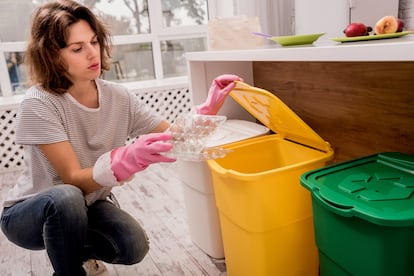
(95, 42)
(77, 50)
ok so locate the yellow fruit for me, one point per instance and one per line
(386, 25)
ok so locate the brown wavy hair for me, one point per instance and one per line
(49, 33)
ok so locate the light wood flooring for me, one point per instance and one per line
(155, 198)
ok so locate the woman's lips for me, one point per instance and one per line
(94, 66)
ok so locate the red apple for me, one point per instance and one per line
(357, 29)
(400, 27)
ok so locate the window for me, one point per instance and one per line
(150, 38)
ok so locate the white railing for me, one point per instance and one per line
(169, 99)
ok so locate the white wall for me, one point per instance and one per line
(277, 17)
(331, 17)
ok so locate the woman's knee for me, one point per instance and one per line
(141, 250)
(67, 199)
(67, 194)
(136, 246)
(63, 203)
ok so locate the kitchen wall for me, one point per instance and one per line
(277, 17)
(406, 12)
(365, 11)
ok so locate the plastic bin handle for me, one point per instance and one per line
(343, 210)
(396, 157)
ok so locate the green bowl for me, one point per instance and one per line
(291, 40)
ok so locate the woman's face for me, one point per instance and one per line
(82, 53)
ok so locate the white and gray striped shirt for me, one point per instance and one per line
(45, 118)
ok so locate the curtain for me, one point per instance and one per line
(276, 16)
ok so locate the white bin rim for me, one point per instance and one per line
(234, 130)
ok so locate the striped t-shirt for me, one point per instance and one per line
(45, 118)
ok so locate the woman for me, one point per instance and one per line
(73, 126)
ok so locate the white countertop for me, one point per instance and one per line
(395, 49)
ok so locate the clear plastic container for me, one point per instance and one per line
(191, 133)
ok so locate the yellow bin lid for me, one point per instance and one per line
(273, 113)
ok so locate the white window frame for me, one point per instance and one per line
(158, 33)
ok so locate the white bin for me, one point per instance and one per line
(202, 213)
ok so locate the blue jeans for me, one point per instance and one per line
(59, 221)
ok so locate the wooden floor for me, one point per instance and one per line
(154, 197)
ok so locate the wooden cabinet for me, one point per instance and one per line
(360, 108)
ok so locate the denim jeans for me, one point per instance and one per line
(59, 221)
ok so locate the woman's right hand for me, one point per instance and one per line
(146, 150)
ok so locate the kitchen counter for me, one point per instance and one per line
(372, 50)
(358, 96)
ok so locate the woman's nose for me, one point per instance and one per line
(92, 50)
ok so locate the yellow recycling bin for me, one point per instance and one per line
(265, 214)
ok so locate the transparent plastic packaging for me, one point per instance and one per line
(191, 133)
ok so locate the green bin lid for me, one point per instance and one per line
(273, 113)
(378, 188)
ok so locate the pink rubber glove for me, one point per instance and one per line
(220, 88)
(146, 150)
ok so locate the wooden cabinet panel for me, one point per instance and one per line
(360, 108)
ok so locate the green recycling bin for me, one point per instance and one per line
(363, 214)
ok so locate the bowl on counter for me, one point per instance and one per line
(292, 40)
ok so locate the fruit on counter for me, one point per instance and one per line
(357, 29)
(401, 25)
(386, 25)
